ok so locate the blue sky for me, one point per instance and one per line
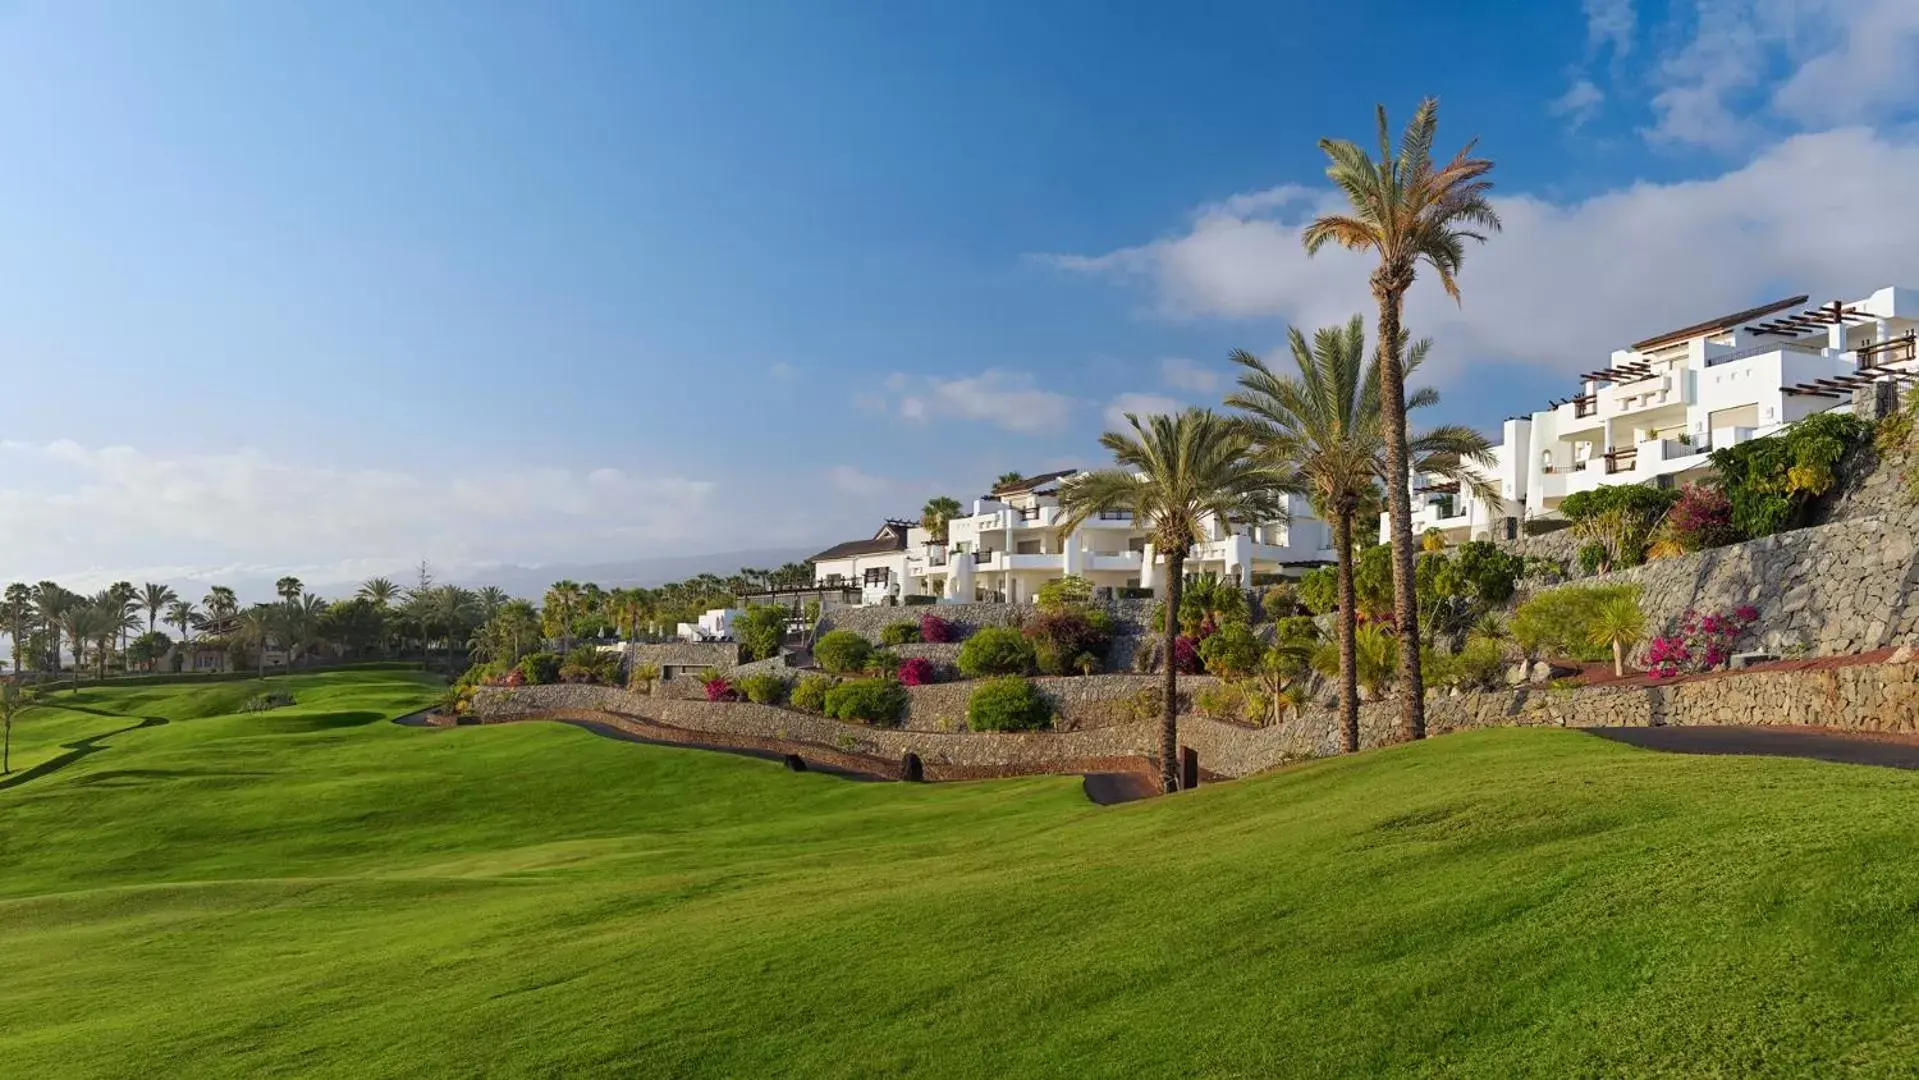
(333, 288)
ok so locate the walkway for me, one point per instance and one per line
(1822, 744)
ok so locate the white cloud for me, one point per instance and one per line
(1566, 283)
(1611, 24)
(1141, 405)
(854, 482)
(99, 510)
(1579, 104)
(1846, 62)
(781, 371)
(1183, 374)
(1013, 400)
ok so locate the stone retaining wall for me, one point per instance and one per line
(1874, 697)
(1079, 702)
(868, 622)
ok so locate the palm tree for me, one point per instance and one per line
(123, 598)
(220, 602)
(936, 513)
(17, 612)
(116, 617)
(491, 598)
(1173, 473)
(303, 624)
(379, 591)
(289, 589)
(1007, 479)
(10, 703)
(1618, 622)
(1320, 433)
(84, 623)
(563, 603)
(1407, 211)
(452, 611)
(257, 626)
(154, 598)
(181, 613)
(53, 603)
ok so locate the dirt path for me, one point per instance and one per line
(1822, 744)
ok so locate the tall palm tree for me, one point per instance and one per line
(1320, 432)
(491, 598)
(53, 603)
(1006, 479)
(155, 598)
(1406, 210)
(220, 602)
(1174, 473)
(125, 598)
(289, 589)
(936, 513)
(17, 612)
(181, 613)
(258, 625)
(379, 591)
(117, 617)
(84, 623)
(563, 603)
(11, 702)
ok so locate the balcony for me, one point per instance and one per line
(1586, 406)
(1117, 516)
(1124, 561)
(1900, 350)
(1618, 461)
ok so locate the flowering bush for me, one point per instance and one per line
(917, 671)
(719, 689)
(516, 677)
(1700, 643)
(1186, 655)
(935, 630)
(1702, 518)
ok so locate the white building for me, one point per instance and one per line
(1659, 406)
(1009, 545)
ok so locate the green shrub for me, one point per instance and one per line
(1279, 602)
(1061, 636)
(920, 600)
(1134, 592)
(842, 651)
(1071, 591)
(1481, 665)
(764, 688)
(272, 699)
(900, 633)
(760, 630)
(1209, 599)
(1231, 702)
(996, 650)
(868, 701)
(1233, 652)
(1771, 482)
(1490, 574)
(1297, 630)
(809, 694)
(1373, 581)
(642, 677)
(1319, 590)
(1620, 518)
(540, 668)
(588, 664)
(1009, 703)
(1559, 622)
(1375, 658)
(1592, 556)
(883, 662)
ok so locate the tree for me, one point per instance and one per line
(155, 598)
(1007, 479)
(1405, 210)
(289, 588)
(147, 648)
(257, 627)
(124, 599)
(1174, 472)
(489, 599)
(936, 513)
(54, 604)
(181, 614)
(84, 623)
(379, 591)
(220, 602)
(16, 611)
(11, 702)
(1618, 622)
(563, 604)
(1320, 433)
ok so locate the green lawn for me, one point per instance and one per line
(315, 891)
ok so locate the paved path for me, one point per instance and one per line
(1822, 744)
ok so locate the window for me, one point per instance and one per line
(1116, 515)
(1029, 547)
(878, 575)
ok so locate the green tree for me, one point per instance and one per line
(1174, 473)
(16, 612)
(258, 625)
(11, 702)
(155, 598)
(564, 603)
(1406, 210)
(220, 602)
(289, 588)
(1007, 479)
(379, 591)
(1618, 622)
(182, 614)
(1319, 431)
(936, 513)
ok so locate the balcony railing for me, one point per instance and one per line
(1116, 515)
(1586, 406)
(1618, 461)
(1030, 513)
(1899, 350)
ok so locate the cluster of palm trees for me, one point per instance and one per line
(1334, 431)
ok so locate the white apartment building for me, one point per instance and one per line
(1662, 404)
(1009, 546)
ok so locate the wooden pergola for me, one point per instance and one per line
(1794, 326)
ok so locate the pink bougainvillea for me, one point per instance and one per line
(514, 677)
(1699, 643)
(935, 630)
(720, 690)
(916, 671)
(1186, 655)
(1702, 518)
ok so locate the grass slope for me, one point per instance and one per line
(315, 891)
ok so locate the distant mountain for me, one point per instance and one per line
(531, 581)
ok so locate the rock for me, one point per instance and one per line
(1900, 655)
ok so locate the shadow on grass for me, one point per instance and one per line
(327, 722)
(112, 777)
(76, 751)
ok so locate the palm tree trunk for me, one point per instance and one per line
(1392, 414)
(1618, 658)
(1169, 708)
(1348, 631)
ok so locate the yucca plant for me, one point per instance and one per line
(1617, 621)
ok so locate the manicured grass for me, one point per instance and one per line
(316, 891)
